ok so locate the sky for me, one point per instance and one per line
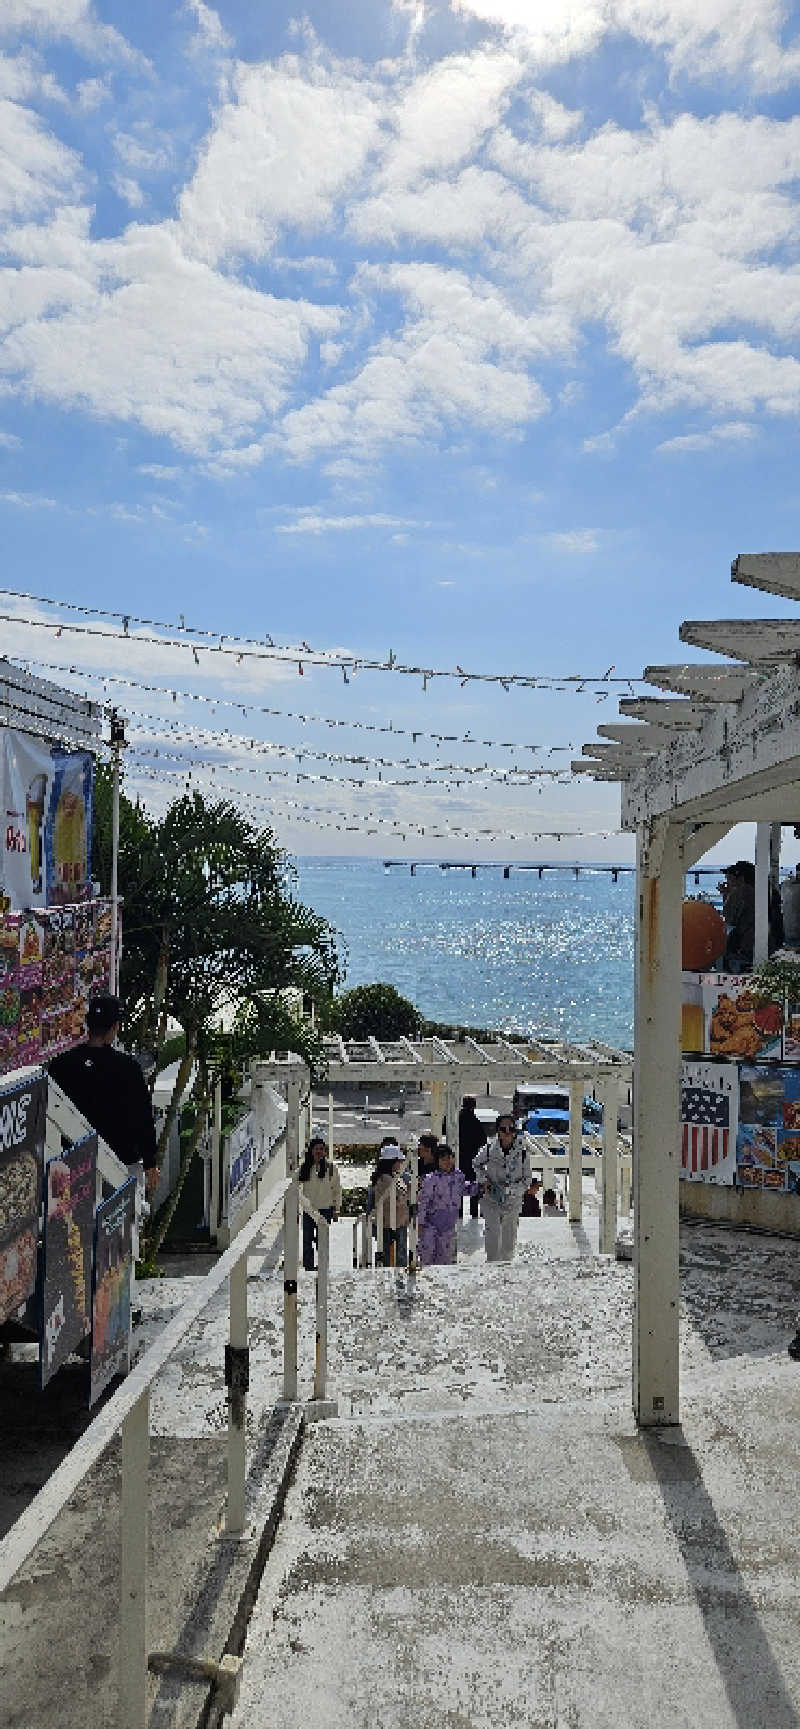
(457, 333)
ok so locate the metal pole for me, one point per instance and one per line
(113, 970)
(366, 1240)
(134, 1530)
(293, 1125)
(321, 1361)
(575, 1152)
(216, 1159)
(291, 1246)
(379, 1209)
(413, 1196)
(608, 1206)
(330, 1125)
(355, 1245)
(237, 1379)
(763, 861)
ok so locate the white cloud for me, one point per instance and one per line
(728, 432)
(128, 190)
(158, 471)
(29, 500)
(312, 522)
(288, 144)
(91, 93)
(73, 21)
(574, 542)
(9, 441)
(36, 169)
(445, 112)
(211, 33)
(721, 36)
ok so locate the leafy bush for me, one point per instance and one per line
(378, 1009)
(354, 1201)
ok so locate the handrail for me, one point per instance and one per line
(31, 1525)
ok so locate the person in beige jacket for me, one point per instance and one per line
(322, 1187)
(386, 1177)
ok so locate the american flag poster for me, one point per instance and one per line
(709, 1121)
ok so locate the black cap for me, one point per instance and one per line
(102, 1013)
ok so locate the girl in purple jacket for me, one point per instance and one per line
(439, 1210)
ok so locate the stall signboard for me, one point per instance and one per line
(70, 1187)
(709, 1120)
(111, 1288)
(48, 797)
(52, 959)
(242, 1148)
(768, 1147)
(738, 1023)
(22, 1130)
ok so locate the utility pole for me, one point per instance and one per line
(117, 742)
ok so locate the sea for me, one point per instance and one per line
(550, 956)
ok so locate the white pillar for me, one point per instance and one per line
(763, 849)
(575, 1152)
(237, 1401)
(135, 1529)
(330, 1126)
(659, 883)
(608, 1206)
(438, 1096)
(291, 1248)
(321, 1358)
(293, 1096)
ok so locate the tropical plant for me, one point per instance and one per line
(377, 1009)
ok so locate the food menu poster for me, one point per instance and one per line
(52, 959)
(737, 1023)
(47, 810)
(768, 1146)
(70, 1187)
(111, 1288)
(22, 1130)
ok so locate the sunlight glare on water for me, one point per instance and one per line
(553, 956)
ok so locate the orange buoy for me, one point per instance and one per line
(703, 936)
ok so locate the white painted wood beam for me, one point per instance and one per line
(700, 840)
(642, 738)
(747, 639)
(679, 715)
(772, 572)
(703, 681)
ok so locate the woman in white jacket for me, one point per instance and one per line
(503, 1172)
(322, 1187)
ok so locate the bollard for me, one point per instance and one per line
(366, 1240)
(355, 1245)
(379, 1210)
(134, 1529)
(413, 1194)
(291, 1246)
(321, 1360)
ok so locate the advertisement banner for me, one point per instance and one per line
(241, 1153)
(709, 1121)
(52, 959)
(737, 1022)
(111, 1288)
(768, 1149)
(70, 1185)
(47, 814)
(22, 1129)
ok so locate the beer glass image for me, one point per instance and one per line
(69, 836)
(34, 819)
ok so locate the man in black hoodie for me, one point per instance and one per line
(471, 1136)
(109, 1089)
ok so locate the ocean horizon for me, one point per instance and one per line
(549, 955)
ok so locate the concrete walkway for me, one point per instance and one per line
(483, 1537)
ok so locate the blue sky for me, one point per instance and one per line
(466, 330)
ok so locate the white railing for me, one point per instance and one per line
(128, 1411)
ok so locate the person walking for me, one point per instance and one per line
(503, 1171)
(472, 1135)
(322, 1187)
(386, 1178)
(109, 1089)
(440, 1208)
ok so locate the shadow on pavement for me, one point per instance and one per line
(748, 1668)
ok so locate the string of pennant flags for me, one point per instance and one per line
(107, 679)
(207, 643)
(205, 737)
(369, 822)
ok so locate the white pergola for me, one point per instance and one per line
(726, 751)
(452, 1068)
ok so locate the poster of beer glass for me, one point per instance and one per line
(69, 1225)
(111, 1288)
